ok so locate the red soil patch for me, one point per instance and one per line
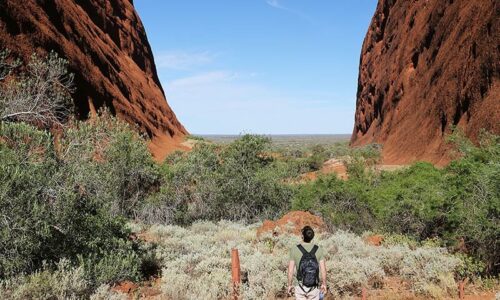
(374, 240)
(146, 290)
(331, 166)
(162, 146)
(336, 166)
(147, 237)
(292, 222)
(481, 296)
(125, 287)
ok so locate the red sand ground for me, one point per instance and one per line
(331, 166)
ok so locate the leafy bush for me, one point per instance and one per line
(317, 158)
(411, 201)
(40, 221)
(111, 267)
(66, 201)
(112, 161)
(474, 196)
(340, 203)
(240, 181)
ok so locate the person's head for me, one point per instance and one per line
(307, 234)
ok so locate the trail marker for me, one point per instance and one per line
(363, 294)
(461, 288)
(235, 272)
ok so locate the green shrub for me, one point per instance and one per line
(111, 267)
(339, 149)
(27, 165)
(60, 204)
(342, 204)
(317, 158)
(474, 196)
(65, 282)
(238, 181)
(411, 201)
(112, 162)
(469, 266)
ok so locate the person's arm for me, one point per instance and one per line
(322, 268)
(291, 270)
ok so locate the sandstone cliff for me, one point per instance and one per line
(425, 67)
(106, 45)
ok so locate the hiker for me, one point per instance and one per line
(307, 260)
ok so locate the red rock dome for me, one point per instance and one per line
(108, 51)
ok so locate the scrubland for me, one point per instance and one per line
(68, 198)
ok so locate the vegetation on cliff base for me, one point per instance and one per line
(65, 199)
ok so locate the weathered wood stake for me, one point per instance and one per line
(461, 288)
(363, 294)
(235, 273)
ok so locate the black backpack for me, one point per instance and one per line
(308, 271)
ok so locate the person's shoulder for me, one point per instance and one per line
(321, 250)
(294, 247)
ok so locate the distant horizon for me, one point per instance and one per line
(273, 134)
(284, 139)
(268, 66)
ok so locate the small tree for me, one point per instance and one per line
(40, 95)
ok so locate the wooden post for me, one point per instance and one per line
(461, 288)
(235, 272)
(363, 294)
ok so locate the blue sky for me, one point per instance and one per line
(259, 66)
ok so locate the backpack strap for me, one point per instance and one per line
(310, 289)
(302, 249)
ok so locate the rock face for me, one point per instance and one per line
(108, 51)
(426, 66)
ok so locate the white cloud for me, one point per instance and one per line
(276, 4)
(201, 79)
(182, 60)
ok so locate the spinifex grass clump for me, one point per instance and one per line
(196, 262)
